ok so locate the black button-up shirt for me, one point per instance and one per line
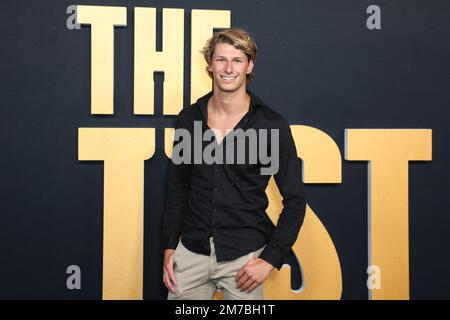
(228, 201)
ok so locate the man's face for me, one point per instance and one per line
(229, 67)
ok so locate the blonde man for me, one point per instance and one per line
(217, 235)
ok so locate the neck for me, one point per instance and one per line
(230, 103)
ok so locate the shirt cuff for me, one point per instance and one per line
(171, 243)
(272, 256)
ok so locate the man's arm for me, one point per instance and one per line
(178, 190)
(288, 180)
(177, 197)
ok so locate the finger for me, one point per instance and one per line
(243, 279)
(168, 283)
(253, 287)
(247, 284)
(172, 275)
(240, 273)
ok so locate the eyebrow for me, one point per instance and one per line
(236, 57)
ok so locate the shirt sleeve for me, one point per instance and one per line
(178, 190)
(288, 179)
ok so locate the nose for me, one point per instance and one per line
(228, 67)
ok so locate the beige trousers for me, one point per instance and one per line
(200, 276)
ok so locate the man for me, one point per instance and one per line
(218, 209)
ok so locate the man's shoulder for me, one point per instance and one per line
(188, 111)
(272, 117)
(193, 111)
(188, 115)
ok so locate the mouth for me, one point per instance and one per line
(228, 78)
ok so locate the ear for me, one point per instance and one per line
(250, 67)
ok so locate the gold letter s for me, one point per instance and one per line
(321, 269)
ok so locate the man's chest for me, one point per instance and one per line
(222, 125)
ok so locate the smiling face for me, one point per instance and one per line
(229, 67)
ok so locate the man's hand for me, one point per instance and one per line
(253, 274)
(168, 276)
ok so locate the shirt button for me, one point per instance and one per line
(215, 190)
(216, 169)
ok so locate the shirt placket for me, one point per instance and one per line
(215, 193)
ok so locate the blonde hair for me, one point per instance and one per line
(238, 38)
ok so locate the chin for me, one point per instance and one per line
(229, 88)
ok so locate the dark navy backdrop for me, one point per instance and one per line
(318, 65)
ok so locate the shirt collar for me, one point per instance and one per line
(203, 102)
